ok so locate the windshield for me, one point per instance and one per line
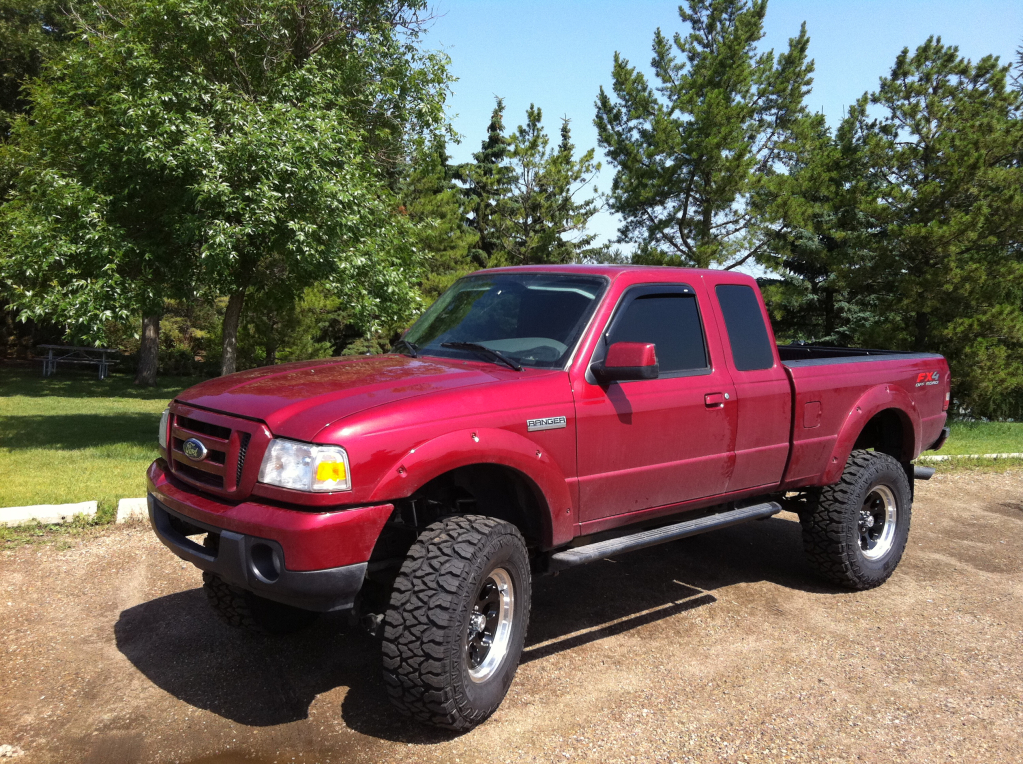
(533, 318)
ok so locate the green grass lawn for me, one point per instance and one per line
(983, 438)
(72, 438)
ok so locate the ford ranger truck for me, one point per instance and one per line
(533, 419)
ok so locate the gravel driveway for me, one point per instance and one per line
(722, 647)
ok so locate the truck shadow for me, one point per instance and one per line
(609, 597)
(177, 642)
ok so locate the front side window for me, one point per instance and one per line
(533, 318)
(670, 320)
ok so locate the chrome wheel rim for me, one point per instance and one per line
(488, 632)
(877, 522)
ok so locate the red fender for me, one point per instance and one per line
(872, 402)
(487, 446)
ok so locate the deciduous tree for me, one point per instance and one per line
(31, 31)
(192, 145)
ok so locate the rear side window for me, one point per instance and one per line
(747, 334)
(670, 320)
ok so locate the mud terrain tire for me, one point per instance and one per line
(855, 532)
(464, 581)
(244, 610)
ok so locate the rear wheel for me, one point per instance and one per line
(244, 610)
(454, 631)
(856, 530)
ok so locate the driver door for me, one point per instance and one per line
(644, 444)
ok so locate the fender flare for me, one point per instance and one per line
(465, 448)
(872, 402)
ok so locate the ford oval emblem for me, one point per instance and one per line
(194, 450)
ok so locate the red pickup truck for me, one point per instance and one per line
(532, 419)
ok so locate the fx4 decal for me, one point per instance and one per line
(928, 378)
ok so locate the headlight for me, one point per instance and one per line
(305, 467)
(164, 418)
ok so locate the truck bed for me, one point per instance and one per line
(829, 402)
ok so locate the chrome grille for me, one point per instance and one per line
(227, 440)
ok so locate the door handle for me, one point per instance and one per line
(714, 400)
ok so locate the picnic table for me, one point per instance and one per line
(72, 354)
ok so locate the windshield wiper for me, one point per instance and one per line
(480, 348)
(413, 348)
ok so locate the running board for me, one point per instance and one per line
(581, 555)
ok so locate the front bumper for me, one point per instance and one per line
(255, 564)
(312, 560)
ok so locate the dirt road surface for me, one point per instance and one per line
(718, 648)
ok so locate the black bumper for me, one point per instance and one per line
(940, 441)
(256, 564)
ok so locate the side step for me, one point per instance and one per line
(581, 555)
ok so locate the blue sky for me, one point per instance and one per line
(557, 54)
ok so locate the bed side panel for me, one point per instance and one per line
(835, 398)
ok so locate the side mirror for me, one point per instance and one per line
(627, 361)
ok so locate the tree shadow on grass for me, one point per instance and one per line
(73, 431)
(70, 383)
(177, 642)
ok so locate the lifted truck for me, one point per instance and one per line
(533, 419)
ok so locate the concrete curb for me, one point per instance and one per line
(46, 514)
(949, 457)
(132, 509)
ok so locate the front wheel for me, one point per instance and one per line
(856, 531)
(454, 631)
(244, 610)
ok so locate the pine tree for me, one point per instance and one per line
(942, 189)
(436, 205)
(825, 229)
(487, 184)
(698, 155)
(545, 222)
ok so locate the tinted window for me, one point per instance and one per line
(672, 323)
(751, 348)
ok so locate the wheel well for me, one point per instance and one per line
(493, 490)
(888, 432)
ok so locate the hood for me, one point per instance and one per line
(299, 399)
